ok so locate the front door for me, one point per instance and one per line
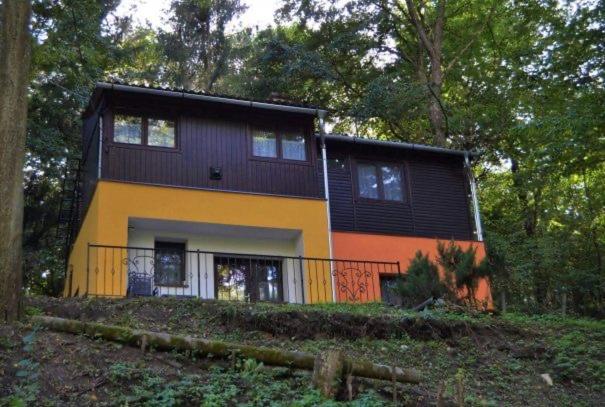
(242, 278)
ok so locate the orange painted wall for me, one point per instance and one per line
(366, 246)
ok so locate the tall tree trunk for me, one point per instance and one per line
(436, 114)
(431, 38)
(14, 71)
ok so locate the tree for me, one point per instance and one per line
(197, 49)
(76, 44)
(421, 282)
(15, 46)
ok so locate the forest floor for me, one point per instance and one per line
(483, 359)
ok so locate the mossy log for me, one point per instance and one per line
(269, 356)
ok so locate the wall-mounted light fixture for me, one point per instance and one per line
(216, 173)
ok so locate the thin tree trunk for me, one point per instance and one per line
(14, 71)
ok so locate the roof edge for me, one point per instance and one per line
(397, 144)
(211, 98)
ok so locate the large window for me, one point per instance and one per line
(248, 279)
(380, 181)
(144, 131)
(286, 145)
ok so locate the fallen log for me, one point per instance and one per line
(424, 304)
(269, 356)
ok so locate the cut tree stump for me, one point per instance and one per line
(269, 356)
(329, 372)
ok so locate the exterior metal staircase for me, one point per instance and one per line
(70, 206)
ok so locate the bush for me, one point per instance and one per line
(461, 268)
(421, 282)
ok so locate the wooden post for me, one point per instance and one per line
(503, 302)
(564, 303)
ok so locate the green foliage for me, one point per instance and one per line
(257, 386)
(27, 388)
(421, 282)
(461, 268)
(197, 49)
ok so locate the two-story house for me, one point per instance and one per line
(212, 196)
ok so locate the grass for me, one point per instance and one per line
(499, 361)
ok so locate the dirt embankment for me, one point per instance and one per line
(294, 324)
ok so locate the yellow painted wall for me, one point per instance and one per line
(76, 269)
(106, 223)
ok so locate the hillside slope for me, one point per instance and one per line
(483, 359)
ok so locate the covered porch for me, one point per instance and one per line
(225, 262)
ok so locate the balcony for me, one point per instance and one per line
(171, 270)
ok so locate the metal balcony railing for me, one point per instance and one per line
(119, 271)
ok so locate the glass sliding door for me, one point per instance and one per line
(241, 278)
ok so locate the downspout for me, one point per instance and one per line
(321, 114)
(475, 200)
(100, 155)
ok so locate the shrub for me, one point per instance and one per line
(421, 282)
(461, 269)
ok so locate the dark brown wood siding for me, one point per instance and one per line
(437, 202)
(90, 158)
(210, 136)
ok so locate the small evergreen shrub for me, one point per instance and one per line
(461, 268)
(421, 282)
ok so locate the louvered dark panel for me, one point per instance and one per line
(437, 204)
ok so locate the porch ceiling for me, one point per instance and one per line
(213, 229)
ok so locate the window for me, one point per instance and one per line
(128, 129)
(284, 145)
(169, 264)
(144, 131)
(264, 143)
(388, 289)
(293, 146)
(160, 133)
(368, 181)
(380, 181)
(248, 279)
(391, 183)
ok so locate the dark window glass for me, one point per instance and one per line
(368, 181)
(169, 264)
(380, 181)
(264, 143)
(388, 291)
(160, 133)
(248, 279)
(391, 183)
(231, 280)
(128, 129)
(268, 281)
(293, 146)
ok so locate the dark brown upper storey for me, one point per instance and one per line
(432, 200)
(212, 146)
(213, 149)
